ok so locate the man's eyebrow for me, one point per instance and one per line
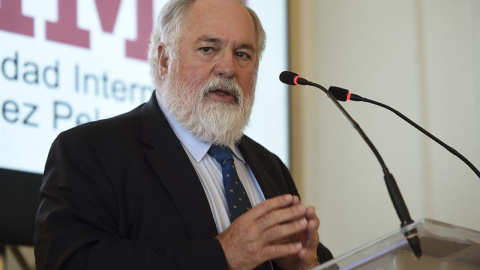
(209, 39)
(214, 40)
(247, 46)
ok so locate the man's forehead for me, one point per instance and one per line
(217, 6)
(219, 18)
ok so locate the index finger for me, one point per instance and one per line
(270, 205)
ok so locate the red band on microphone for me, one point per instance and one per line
(348, 95)
(295, 80)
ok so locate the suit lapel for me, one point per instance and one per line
(261, 170)
(174, 169)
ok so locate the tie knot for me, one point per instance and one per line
(220, 153)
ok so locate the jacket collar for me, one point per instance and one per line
(173, 167)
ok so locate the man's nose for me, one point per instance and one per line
(226, 66)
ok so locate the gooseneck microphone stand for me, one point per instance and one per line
(393, 190)
(342, 94)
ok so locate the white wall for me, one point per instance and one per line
(422, 58)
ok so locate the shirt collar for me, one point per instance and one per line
(197, 148)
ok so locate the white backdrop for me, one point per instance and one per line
(48, 84)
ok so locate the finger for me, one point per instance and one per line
(313, 225)
(296, 200)
(308, 254)
(311, 215)
(281, 250)
(270, 205)
(282, 231)
(310, 211)
(312, 237)
(284, 215)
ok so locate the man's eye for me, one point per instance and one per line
(243, 55)
(206, 49)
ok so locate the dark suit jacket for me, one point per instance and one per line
(122, 194)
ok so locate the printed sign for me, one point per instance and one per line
(68, 62)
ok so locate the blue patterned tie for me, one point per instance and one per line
(237, 199)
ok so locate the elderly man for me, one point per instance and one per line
(174, 184)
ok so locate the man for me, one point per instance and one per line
(146, 190)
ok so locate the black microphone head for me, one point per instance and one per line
(339, 93)
(288, 77)
(292, 78)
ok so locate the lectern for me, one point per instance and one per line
(444, 246)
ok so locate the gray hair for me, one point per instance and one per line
(168, 28)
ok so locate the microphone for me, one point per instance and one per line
(413, 240)
(292, 78)
(344, 95)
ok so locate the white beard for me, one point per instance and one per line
(208, 120)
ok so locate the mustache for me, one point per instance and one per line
(224, 84)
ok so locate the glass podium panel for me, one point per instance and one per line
(444, 247)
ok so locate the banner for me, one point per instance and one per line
(68, 62)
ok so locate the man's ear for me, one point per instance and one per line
(163, 60)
